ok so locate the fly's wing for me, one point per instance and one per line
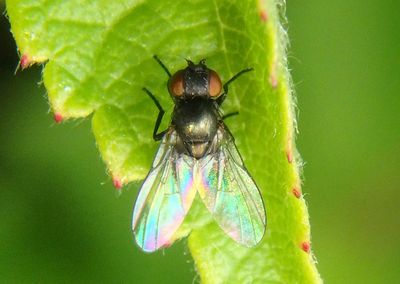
(164, 198)
(229, 192)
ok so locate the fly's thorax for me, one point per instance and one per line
(196, 82)
(196, 122)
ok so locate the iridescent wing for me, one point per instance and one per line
(164, 198)
(229, 192)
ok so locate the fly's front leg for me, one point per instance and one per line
(162, 65)
(222, 97)
(225, 116)
(157, 136)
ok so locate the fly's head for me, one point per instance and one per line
(195, 81)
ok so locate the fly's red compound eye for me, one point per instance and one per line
(215, 85)
(175, 85)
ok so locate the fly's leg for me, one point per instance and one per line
(161, 112)
(229, 115)
(222, 97)
(157, 136)
(162, 65)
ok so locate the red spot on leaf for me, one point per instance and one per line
(289, 156)
(167, 244)
(306, 246)
(296, 192)
(264, 15)
(117, 183)
(58, 117)
(25, 61)
(273, 80)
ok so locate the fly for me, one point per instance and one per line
(197, 154)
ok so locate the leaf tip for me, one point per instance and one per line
(25, 61)
(117, 183)
(58, 118)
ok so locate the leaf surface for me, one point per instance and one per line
(98, 56)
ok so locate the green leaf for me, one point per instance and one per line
(98, 57)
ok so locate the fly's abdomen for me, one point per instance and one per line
(196, 123)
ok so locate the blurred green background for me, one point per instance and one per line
(61, 219)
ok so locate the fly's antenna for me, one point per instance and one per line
(189, 62)
(162, 65)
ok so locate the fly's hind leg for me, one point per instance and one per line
(161, 112)
(222, 97)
